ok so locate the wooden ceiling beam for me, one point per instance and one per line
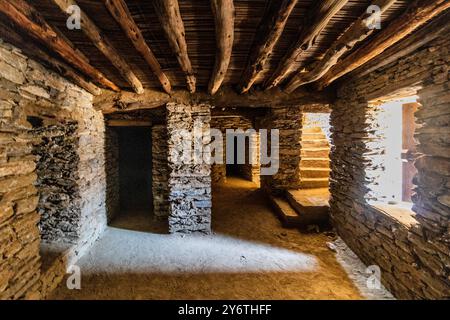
(34, 52)
(103, 45)
(318, 18)
(120, 12)
(356, 33)
(226, 97)
(28, 19)
(436, 28)
(417, 14)
(223, 11)
(169, 16)
(269, 31)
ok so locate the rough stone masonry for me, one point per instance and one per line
(189, 183)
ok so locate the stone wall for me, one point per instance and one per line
(59, 197)
(160, 172)
(412, 251)
(189, 182)
(28, 89)
(112, 172)
(289, 123)
(247, 170)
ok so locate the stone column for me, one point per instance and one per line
(189, 182)
(160, 172)
(289, 123)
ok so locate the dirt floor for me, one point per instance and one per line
(249, 256)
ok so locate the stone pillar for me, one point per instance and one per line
(160, 172)
(112, 173)
(289, 123)
(189, 183)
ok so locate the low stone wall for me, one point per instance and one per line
(414, 257)
(189, 183)
(160, 172)
(28, 89)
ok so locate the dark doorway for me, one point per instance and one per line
(135, 168)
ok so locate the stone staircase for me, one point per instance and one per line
(303, 207)
(315, 160)
(308, 205)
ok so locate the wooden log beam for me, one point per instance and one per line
(223, 11)
(417, 14)
(122, 15)
(357, 32)
(128, 123)
(226, 97)
(33, 51)
(267, 36)
(318, 19)
(437, 27)
(28, 19)
(169, 16)
(103, 45)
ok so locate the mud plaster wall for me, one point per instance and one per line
(414, 256)
(29, 89)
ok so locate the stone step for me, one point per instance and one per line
(311, 204)
(309, 183)
(315, 152)
(287, 215)
(306, 144)
(313, 136)
(312, 130)
(314, 163)
(314, 172)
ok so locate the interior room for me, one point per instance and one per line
(251, 150)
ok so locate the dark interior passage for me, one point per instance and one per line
(135, 167)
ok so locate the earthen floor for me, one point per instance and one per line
(248, 256)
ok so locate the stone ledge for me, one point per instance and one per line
(401, 213)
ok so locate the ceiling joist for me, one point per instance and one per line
(269, 32)
(29, 20)
(103, 44)
(122, 15)
(223, 11)
(317, 20)
(169, 16)
(357, 32)
(417, 14)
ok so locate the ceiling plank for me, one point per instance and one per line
(169, 16)
(34, 52)
(318, 19)
(417, 14)
(223, 11)
(120, 12)
(267, 36)
(103, 44)
(357, 32)
(28, 19)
